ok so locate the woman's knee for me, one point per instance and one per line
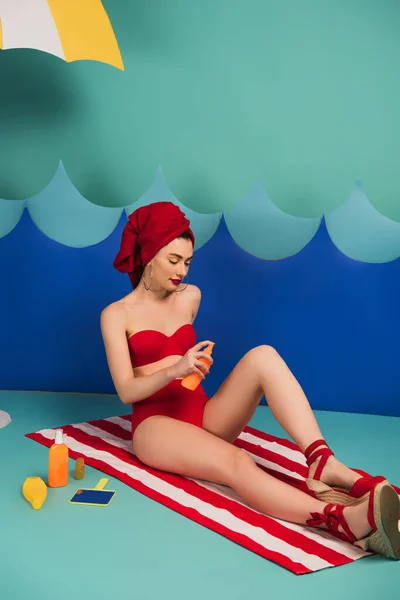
(239, 464)
(262, 356)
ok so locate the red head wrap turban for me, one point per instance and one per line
(149, 229)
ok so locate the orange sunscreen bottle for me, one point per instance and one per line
(58, 462)
(192, 381)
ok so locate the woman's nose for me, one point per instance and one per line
(182, 271)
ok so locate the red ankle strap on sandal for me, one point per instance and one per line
(358, 493)
(308, 452)
(318, 449)
(333, 518)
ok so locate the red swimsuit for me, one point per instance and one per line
(173, 400)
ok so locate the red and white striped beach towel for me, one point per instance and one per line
(106, 445)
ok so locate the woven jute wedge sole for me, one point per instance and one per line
(385, 538)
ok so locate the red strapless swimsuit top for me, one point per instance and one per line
(173, 400)
(149, 346)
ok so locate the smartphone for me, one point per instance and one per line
(92, 497)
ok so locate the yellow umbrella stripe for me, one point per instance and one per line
(85, 31)
(71, 29)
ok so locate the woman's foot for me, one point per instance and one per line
(335, 484)
(349, 523)
(371, 525)
(357, 520)
(335, 473)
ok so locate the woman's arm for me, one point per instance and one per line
(130, 389)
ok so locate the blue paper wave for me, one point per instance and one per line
(255, 223)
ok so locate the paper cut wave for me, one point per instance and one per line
(215, 110)
(264, 230)
(64, 215)
(70, 29)
(204, 226)
(361, 232)
(255, 223)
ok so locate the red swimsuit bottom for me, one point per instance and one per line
(173, 400)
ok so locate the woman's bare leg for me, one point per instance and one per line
(263, 371)
(182, 448)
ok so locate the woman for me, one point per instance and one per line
(150, 346)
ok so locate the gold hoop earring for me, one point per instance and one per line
(151, 277)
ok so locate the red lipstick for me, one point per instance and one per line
(176, 281)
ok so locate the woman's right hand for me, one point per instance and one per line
(190, 363)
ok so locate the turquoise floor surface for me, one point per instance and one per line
(138, 549)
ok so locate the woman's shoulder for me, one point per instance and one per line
(112, 315)
(117, 311)
(193, 291)
(191, 294)
(192, 298)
